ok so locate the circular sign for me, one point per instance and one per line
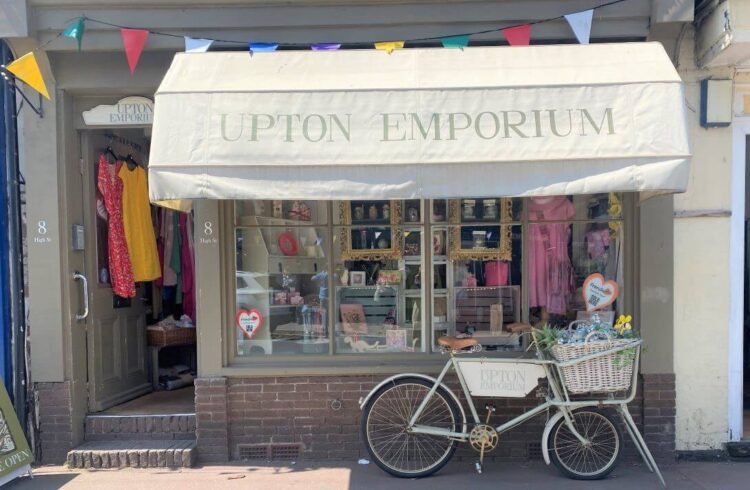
(249, 321)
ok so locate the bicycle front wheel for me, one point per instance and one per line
(594, 459)
(386, 417)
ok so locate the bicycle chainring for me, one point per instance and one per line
(483, 438)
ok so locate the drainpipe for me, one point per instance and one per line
(12, 305)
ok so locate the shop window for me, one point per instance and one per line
(391, 276)
(562, 253)
(281, 279)
(378, 276)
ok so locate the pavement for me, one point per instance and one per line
(352, 476)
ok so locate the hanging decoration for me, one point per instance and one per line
(193, 45)
(27, 70)
(580, 22)
(325, 47)
(455, 41)
(390, 46)
(75, 31)
(133, 40)
(263, 47)
(518, 35)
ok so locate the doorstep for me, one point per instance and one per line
(740, 450)
(133, 454)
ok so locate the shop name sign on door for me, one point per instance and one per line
(130, 111)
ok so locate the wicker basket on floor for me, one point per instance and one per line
(170, 336)
(603, 374)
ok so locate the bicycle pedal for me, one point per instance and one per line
(478, 467)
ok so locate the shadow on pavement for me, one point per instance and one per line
(41, 482)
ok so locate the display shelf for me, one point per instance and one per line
(261, 255)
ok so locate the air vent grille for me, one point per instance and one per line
(269, 452)
(534, 450)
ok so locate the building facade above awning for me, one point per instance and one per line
(420, 123)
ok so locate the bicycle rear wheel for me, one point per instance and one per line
(593, 460)
(386, 417)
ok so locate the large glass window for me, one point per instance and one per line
(391, 277)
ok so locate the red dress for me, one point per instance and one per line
(120, 268)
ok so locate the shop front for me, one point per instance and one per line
(352, 207)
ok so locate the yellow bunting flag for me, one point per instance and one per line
(389, 46)
(27, 69)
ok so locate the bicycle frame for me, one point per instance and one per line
(557, 398)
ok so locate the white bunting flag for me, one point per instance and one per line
(197, 45)
(580, 22)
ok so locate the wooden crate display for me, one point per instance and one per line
(473, 306)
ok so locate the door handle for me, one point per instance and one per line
(77, 276)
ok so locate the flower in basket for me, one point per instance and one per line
(622, 327)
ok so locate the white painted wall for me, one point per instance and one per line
(702, 276)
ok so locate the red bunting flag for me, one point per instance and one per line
(133, 40)
(519, 35)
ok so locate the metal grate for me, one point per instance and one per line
(253, 451)
(269, 451)
(534, 450)
(285, 451)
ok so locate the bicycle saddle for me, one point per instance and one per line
(456, 344)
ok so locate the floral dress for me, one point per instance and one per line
(120, 268)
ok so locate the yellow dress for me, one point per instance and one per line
(139, 229)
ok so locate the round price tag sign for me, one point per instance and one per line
(249, 321)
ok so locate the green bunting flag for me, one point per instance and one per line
(455, 41)
(75, 31)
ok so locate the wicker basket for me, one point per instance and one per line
(603, 374)
(170, 336)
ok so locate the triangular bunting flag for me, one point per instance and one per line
(455, 41)
(325, 47)
(193, 45)
(133, 40)
(580, 22)
(519, 35)
(390, 46)
(75, 31)
(263, 47)
(27, 69)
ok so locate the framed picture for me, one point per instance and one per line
(462, 211)
(389, 277)
(371, 230)
(357, 278)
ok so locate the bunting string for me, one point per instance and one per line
(134, 40)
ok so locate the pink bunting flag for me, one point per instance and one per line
(133, 40)
(519, 35)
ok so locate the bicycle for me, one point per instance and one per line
(412, 423)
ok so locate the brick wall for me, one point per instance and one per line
(659, 414)
(322, 414)
(211, 420)
(55, 422)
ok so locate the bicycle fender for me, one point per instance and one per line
(545, 435)
(363, 401)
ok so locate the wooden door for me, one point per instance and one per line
(115, 327)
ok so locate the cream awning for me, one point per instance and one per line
(489, 121)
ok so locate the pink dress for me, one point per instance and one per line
(550, 269)
(120, 267)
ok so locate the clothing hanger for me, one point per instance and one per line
(132, 164)
(109, 152)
